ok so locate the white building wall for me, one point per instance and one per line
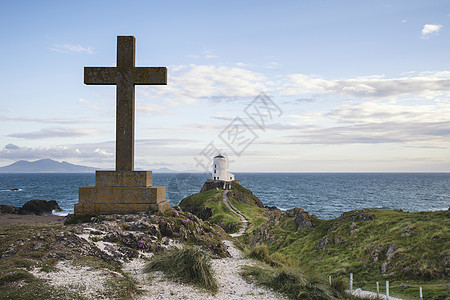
(220, 169)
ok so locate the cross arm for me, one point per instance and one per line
(150, 75)
(100, 75)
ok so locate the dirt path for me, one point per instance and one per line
(231, 284)
(243, 219)
(13, 219)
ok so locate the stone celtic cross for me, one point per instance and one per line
(125, 76)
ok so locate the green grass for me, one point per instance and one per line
(223, 216)
(199, 199)
(213, 200)
(254, 214)
(187, 264)
(260, 253)
(122, 288)
(295, 283)
(20, 285)
(421, 242)
(17, 283)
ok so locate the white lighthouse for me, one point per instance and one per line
(220, 169)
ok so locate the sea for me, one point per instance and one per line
(326, 195)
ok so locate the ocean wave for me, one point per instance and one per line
(61, 213)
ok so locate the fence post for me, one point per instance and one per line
(329, 279)
(420, 293)
(351, 284)
(378, 289)
(387, 290)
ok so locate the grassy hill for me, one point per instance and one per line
(408, 249)
(208, 205)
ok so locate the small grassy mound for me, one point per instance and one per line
(187, 264)
(209, 206)
(261, 253)
(284, 276)
(295, 284)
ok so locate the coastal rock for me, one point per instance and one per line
(302, 218)
(9, 209)
(354, 231)
(265, 234)
(210, 185)
(323, 242)
(390, 251)
(339, 240)
(57, 245)
(39, 207)
(352, 216)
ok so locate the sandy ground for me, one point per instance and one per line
(231, 284)
(12, 219)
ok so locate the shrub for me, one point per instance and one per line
(296, 284)
(187, 264)
(260, 253)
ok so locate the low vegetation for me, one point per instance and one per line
(209, 206)
(408, 249)
(187, 264)
(295, 283)
(29, 251)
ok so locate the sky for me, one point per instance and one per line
(276, 86)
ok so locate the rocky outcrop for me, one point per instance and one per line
(351, 216)
(39, 207)
(200, 210)
(155, 233)
(297, 217)
(110, 240)
(240, 193)
(32, 207)
(49, 244)
(301, 217)
(237, 191)
(212, 185)
(9, 209)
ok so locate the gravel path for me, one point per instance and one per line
(243, 219)
(231, 284)
(371, 295)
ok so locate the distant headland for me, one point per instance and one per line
(52, 166)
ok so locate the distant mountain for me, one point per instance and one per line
(164, 170)
(45, 166)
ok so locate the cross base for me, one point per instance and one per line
(121, 192)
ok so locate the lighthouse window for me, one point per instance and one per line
(215, 166)
(214, 171)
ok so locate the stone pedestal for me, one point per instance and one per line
(121, 192)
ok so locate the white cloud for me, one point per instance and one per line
(209, 54)
(149, 108)
(69, 48)
(273, 65)
(379, 112)
(189, 83)
(241, 64)
(430, 29)
(55, 132)
(47, 121)
(431, 84)
(374, 122)
(14, 152)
